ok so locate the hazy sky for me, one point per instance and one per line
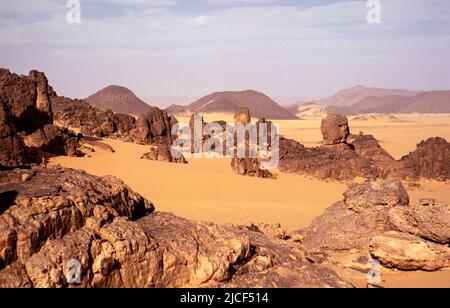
(194, 47)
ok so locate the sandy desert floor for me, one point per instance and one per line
(208, 190)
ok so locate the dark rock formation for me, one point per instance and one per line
(26, 99)
(248, 165)
(92, 121)
(430, 160)
(335, 129)
(26, 121)
(350, 224)
(154, 127)
(12, 149)
(55, 140)
(164, 153)
(337, 162)
(368, 147)
(345, 157)
(118, 241)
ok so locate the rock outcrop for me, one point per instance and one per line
(26, 121)
(375, 218)
(429, 219)
(53, 217)
(345, 157)
(26, 100)
(91, 121)
(330, 162)
(154, 127)
(430, 160)
(55, 140)
(12, 149)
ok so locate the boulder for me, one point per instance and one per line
(371, 194)
(164, 153)
(250, 167)
(363, 214)
(408, 252)
(429, 219)
(335, 129)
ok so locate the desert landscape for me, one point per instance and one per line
(276, 227)
(224, 145)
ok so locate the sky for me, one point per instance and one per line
(195, 47)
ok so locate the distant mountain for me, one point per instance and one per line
(177, 110)
(307, 110)
(119, 100)
(166, 101)
(354, 95)
(425, 102)
(289, 101)
(259, 104)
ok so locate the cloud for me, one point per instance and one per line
(274, 46)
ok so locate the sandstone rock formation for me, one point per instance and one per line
(119, 242)
(429, 219)
(345, 157)
(248, 165)
(335, 129)
(164, 153)
(55, 140)
(26, 99)
(12, 149)
(26, 121)
(375, 218)
(331, 162)
(371, 194)
(431, 159)
(154, 127)
(91, 121)
(243, 116)
(408, 252)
